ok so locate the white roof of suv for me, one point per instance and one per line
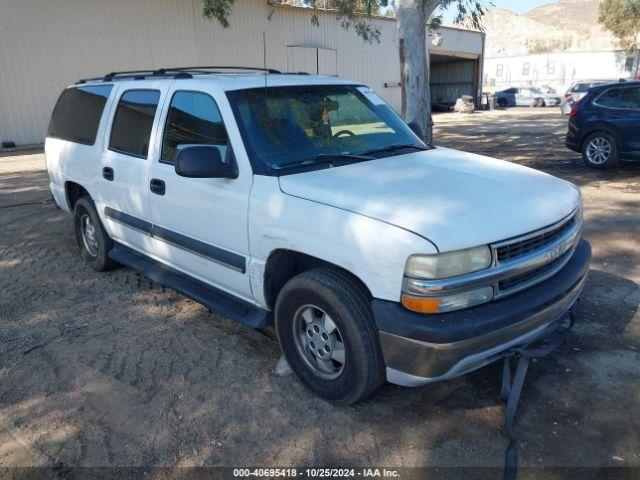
(237, 81)
(244, 81)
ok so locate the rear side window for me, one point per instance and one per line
(610, 99)
(132, 123)
(630, 98)
(77, 114)
(193, 119)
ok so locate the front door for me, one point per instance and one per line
(200, 224)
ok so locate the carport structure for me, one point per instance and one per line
(453, 75)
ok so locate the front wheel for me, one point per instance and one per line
(327, 334)
(600, 150)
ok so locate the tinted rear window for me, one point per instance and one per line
(610, 98)
(77, 114)
(132, 123)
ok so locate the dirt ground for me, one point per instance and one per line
(109, 369)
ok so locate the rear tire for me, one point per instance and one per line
(600, 150)
(327, 334)
(93, 241)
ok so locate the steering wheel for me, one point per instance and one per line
(344, 132)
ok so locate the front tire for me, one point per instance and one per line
(93, 241)
(600, 150)
(327, 334)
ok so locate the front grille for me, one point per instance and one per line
(518, 280)
(519, 248)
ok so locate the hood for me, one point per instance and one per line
(454, 199)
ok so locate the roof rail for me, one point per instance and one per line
(173, 72)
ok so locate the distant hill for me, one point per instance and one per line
(564, 25)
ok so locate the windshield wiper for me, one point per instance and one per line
(395, 146)
(346, 156)
(323, 158)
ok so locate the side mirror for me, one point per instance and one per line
(204, 161)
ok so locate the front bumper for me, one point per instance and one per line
(420, 349)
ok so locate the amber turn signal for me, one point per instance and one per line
(421, 304)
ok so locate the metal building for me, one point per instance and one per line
(45, 46)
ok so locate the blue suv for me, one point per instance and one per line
(605, 124)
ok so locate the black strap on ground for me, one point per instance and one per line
(511, 390)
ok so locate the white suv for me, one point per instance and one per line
(306, 202)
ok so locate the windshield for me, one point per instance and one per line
(535, 90)
(291, 126)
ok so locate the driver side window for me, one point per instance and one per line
(193, 119)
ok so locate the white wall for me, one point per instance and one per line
(46, 45)
(558, 70)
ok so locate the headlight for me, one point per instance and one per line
(450, 264)
(447, 303)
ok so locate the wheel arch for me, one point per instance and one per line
(73, 191)
(600, 128)
(283, 264)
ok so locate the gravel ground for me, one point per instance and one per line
(101, 370)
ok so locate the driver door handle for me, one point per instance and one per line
(107, 173)
(157, 186)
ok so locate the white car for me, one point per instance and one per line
(579, 90)
(306, 202)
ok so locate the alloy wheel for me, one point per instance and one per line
(598, 150)
(319, 342)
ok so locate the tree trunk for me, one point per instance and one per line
(412, 18)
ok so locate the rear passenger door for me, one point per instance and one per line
(629, 121)
(200, 224)
(125, 165)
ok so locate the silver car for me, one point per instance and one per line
(526, 97)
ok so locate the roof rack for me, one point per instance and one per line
(174, 72)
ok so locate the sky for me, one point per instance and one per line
(518, 6)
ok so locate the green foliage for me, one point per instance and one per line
(218, 10)
(468, 12)
(622, 18)
(357, 14)
(351, 13)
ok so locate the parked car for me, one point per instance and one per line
(605, 124)
(525, 97)
(305, 202)
(545, 98)
(512, 97)
(547, 89)
(579, 90)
